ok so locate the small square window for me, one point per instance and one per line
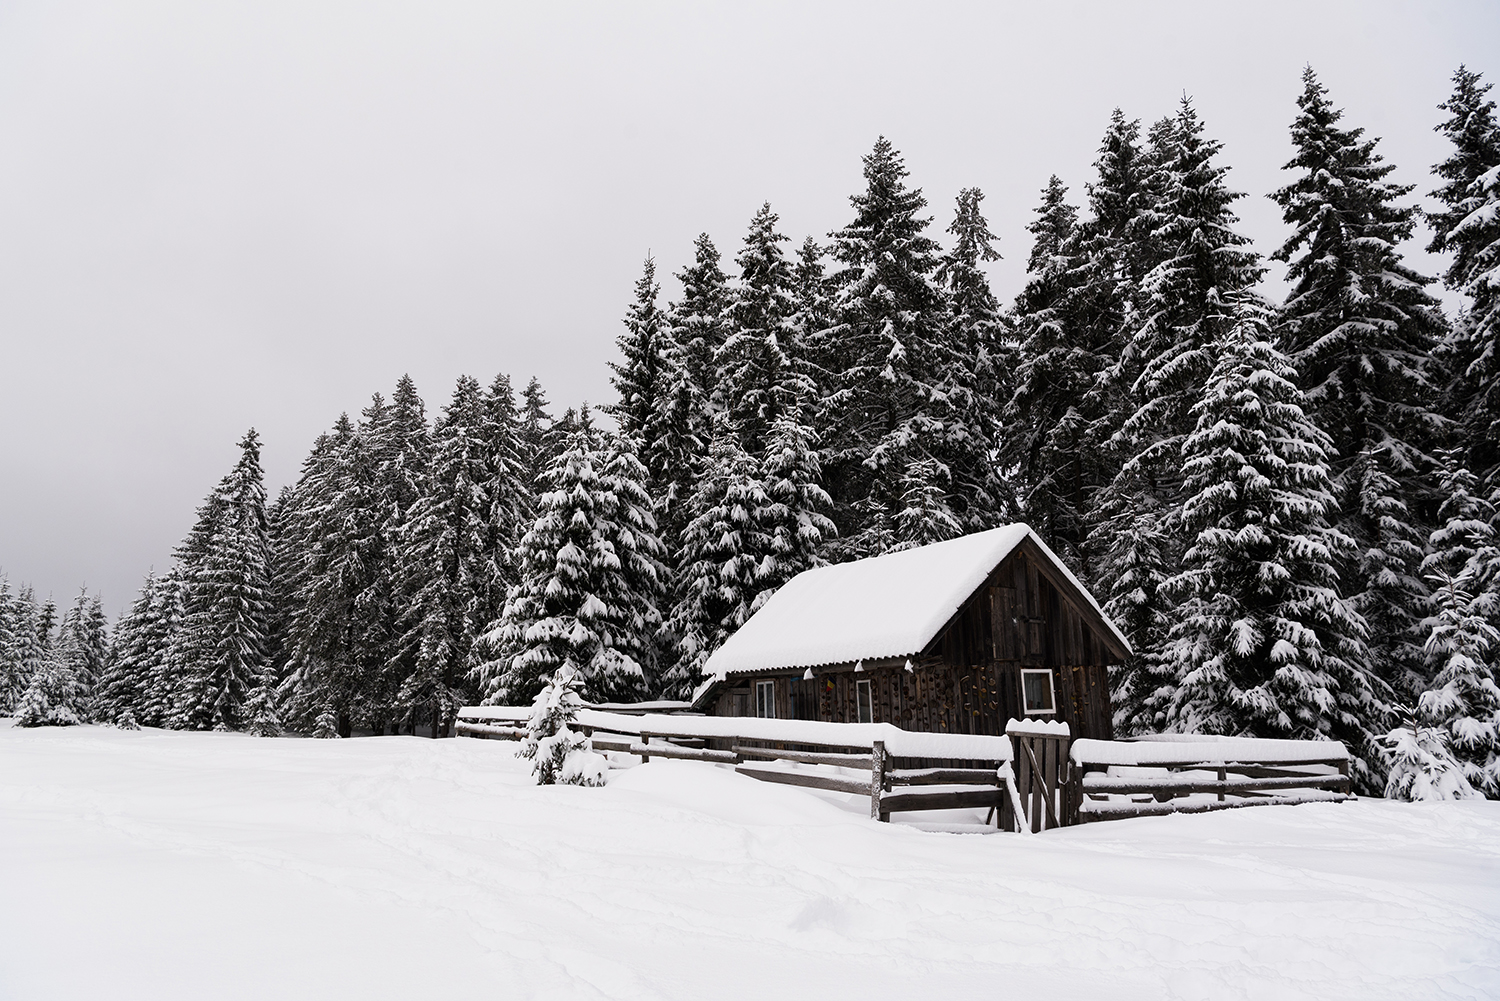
(1036, 692)
(765, 699)
(866, 705)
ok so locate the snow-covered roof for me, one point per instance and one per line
(885, 606)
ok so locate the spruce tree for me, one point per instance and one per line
(1263, 644)
(536, 425)
(441, 562)
(333, 545)
(1136, 548)
(11, 683)
(633, 577)
(795, 516)
(154, 651)
(1361, 329)
(1181, 312)
(891, 352)
(218, 652)
(54, 695)
(1461, 698)
(979, 385)
(1468, 226)
(559, 754)
(122, 689)
(761, 369)
(567, 607)
(401, 449)
(509, 498)
(83, 645)
(640, 379)
(1423, 768)
(1473, 131)
(1185, 299)
(698, 326)
(812, 296)
(718, 577)
(1047, 429)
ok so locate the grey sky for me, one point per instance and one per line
(214, 216)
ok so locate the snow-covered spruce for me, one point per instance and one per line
(890, 356)
(1468, 227)
(53, 696)
(1361, 329)
(761, 368)
(444, 558)
(217, 654)
(589, 585)
(560, 755)
(1183, 307)
(1263, 645)
(724, 546)
(1422, 767)
(1461, 698)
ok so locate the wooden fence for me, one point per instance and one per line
(900, 771)
(1034, 779)
(1192, 774)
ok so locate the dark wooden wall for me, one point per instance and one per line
(1025, 615)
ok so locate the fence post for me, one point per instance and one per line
(877, 778)
(645, 742)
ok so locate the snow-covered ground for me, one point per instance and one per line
(172, 865)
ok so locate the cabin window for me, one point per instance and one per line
(864, 704)
(1036, 692)
(765, 699)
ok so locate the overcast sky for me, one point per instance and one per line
(222, 215)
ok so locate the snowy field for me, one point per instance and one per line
(173, 865)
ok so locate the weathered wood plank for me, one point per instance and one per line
(963, 799)
(1120, 811)
(1096, 784)
(809, 780)
(685, 753)
(942, 776)
(804, 757)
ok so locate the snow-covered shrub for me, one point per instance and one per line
(1422, 766)
(126, 720)
(558, 754)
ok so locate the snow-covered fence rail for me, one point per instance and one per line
(1171, 773)
(900, 770)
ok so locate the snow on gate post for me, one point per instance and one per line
(877, 778)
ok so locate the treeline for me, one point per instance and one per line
(1288, 507)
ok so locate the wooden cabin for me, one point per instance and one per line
(958, 636)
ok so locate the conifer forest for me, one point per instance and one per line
(1288, 503)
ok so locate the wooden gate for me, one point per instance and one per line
(1042, 773)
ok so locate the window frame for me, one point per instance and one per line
(1051, 692)
(862, 687)
(765, 698)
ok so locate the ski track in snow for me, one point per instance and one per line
(175, 865)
